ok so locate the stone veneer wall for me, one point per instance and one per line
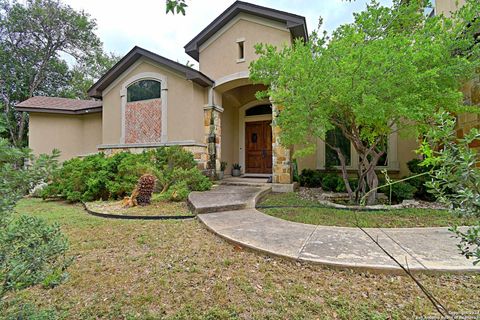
(213, 126)
(282, 166)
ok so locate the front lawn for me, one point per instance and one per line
(347, 218)
(178, 270)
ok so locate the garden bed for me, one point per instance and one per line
(298, 207)
(341, 201)
(157, 209)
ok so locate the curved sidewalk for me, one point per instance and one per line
(419, 249)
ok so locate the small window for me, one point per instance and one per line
(336, 138)
(259, 110)
(241, 50)
(144, 90)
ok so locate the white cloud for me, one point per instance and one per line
(124, 24)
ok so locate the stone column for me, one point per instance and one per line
(213, 138)
(282, 175)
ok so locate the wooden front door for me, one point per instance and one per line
(258, 147)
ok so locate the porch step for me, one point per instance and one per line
(226, 198)
(243, 181)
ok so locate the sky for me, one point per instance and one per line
(125, 24)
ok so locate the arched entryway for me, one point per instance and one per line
(256, 138)
(246, 130)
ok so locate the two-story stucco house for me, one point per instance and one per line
(146, 101)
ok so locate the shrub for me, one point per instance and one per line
(31, 251)
(400, 191)
(422, 192)
(126, 168)
(310, 178)
(178, 192)
(173, 157)
(100, 177)
(333, 182)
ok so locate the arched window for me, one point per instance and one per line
(144, 90)
(259, 110)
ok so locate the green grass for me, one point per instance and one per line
(347, 218)
(179, 270)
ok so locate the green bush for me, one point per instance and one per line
(178, 192)
(310, 178)
(333, 182)
(31, 251)
(100, 177)
(422, 192)
(400, 191)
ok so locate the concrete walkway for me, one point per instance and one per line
(421, 249)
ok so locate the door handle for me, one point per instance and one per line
(264, 153)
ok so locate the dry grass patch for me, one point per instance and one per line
(158, 207)
(178, 270)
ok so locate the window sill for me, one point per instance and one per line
(240, 60)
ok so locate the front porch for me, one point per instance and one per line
(242, 131)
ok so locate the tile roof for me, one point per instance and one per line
(59, 105)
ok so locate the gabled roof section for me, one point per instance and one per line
(130, 58)
(59, 105)
(295, 23)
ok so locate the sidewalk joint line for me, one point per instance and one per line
(306, 241)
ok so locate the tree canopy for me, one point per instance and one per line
(388, 71)
(35, 38)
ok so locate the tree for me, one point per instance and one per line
(84, 74)
(386, 72)
(176, 6)
(33, 37)
(456, 178)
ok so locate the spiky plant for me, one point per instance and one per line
(145, 186)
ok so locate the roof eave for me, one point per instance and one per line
(60, 111)
(136, 53)
(295, 23)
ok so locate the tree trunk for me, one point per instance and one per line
(367, 175)
(343, 166)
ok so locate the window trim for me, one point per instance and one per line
(240, 50)
(138, 81)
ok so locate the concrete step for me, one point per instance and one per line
(226, 198)
(242, 181)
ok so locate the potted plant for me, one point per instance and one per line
(236, 170)
(223, 166)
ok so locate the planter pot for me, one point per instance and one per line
(220, 175)
(236, 172)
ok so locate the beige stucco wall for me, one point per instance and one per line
(73, 135)
(406, 152)
(185, 103)
(218, 56)
(446, 7)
